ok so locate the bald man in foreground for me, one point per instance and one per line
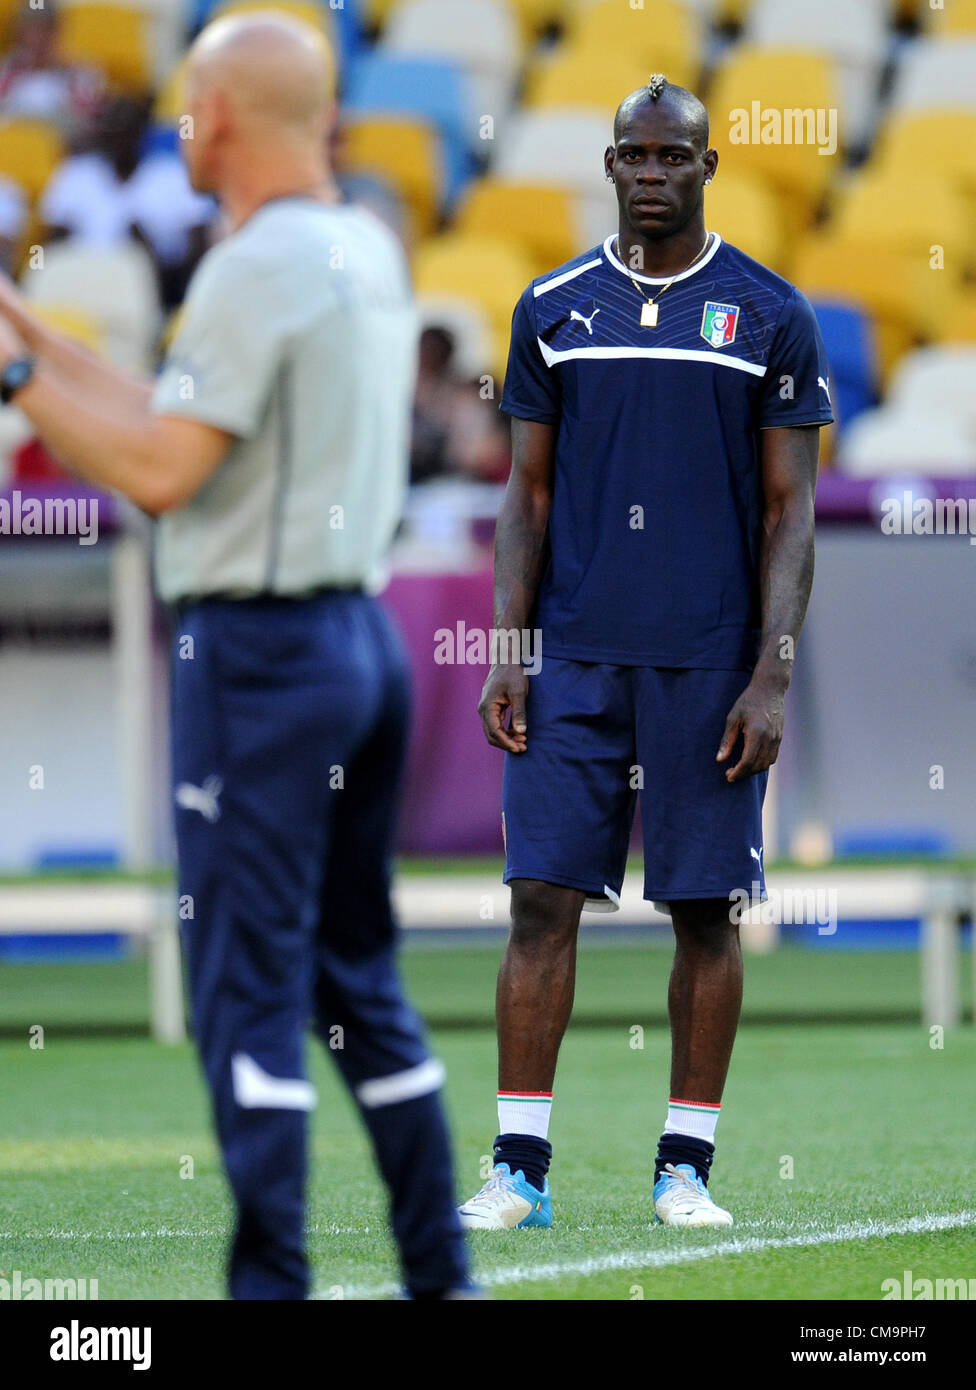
(273, 451)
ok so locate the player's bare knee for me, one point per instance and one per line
(705, 925)
(544, 912)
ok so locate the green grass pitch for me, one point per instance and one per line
(876, 1127)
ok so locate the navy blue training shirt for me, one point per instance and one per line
(657, 502)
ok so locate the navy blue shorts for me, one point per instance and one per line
(599, 736)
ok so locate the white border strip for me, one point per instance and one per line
(665, 354)
(403, 1085)
(558, 280)
(256, 1089)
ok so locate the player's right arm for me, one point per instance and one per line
(521, 556)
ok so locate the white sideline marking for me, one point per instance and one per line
(599, 1264)
(164, 1233)
(657, 1259)
(662, 1259)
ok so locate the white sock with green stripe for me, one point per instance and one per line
(696, 1118)
(524, 1112)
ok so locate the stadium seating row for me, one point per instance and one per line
(491, 144)
(135, 43)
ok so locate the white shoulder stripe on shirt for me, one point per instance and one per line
(558, 280)
(718, 359)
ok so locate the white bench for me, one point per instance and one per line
(144, 910)
(937, 895)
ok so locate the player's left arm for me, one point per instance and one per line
(115, 441)
(789, 471)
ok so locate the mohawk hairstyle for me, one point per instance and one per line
(659, 89)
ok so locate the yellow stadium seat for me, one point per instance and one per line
(171, 327)
(746, 212)
(535, 16)
(537, 218)
(942, 143)
(9, 9)
(404, 152)
(664, 36)
(958, 323)
(170, 102)
(732, 11)
(376, 12)
(479, 269)
(31, 238)
(580, 79)
(957, 17)
(752, 96)
(73, 323)
(30, 151)
(875, 210)
(905, 298)
(112, 37)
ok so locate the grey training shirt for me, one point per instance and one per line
(298, 336)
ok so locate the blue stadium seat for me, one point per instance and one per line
(429, 89)
(160, 139)
(849, 339)
(869, 841)
(25, 947)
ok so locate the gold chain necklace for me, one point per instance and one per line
(649, 309)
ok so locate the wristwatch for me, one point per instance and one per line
(14, 376)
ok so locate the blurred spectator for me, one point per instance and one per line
(13, 224)
(35, 83)
(455, 431)
(109, 192)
